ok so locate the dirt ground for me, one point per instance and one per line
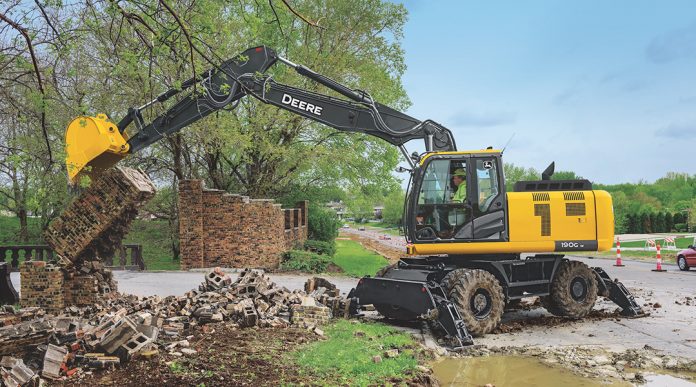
(372, 243)
(225, 356)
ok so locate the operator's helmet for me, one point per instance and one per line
(461, 172)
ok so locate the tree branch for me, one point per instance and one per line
(34, 61)
(304, 19)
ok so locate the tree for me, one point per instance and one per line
(644, 224)
(393, 207)
(669, 222)
(660, 222)
(513, 174)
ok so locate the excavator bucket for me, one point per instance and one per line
(93, 144)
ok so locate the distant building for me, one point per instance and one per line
(339, 207)
(377, 212)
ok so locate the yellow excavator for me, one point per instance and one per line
(467, 258)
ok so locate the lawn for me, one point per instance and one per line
(357, 261)
(668, 256)
(346, 357)
(682, 242)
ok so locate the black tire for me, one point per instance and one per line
(478, 297)
(573, 291)
(681, 262)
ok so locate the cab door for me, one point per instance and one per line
(488, 198)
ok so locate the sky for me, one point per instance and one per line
(606, 89)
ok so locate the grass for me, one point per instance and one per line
(357, 261)
(9, 231)
(152, 234)
(668, 256)
(346, 357)
(681, 243)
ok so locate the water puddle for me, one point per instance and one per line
(503, 371)
(520, 371)
(664, 380)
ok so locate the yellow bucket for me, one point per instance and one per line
(93, 144)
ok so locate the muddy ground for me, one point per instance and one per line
(225, 356)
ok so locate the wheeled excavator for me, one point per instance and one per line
(466, 260)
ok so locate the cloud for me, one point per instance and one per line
(483, 119)
(673, 45)
(679, 131)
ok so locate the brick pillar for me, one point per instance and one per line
(191, 232)
(304, 218)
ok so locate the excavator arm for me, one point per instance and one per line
(94, 143)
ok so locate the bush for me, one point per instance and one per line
(323, 224)
(320, 247)
(305, 261)
(680, 227)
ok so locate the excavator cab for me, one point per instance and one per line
(458, 197)
(93, 144)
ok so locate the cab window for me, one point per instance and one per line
(487, 176)
(442, 200)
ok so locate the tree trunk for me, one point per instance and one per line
(23, 226)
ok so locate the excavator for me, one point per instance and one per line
(466, 260)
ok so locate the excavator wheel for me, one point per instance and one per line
(478, 297)
(573, 291)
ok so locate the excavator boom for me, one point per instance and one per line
(94, 143)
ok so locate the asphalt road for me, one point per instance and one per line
(670, 328)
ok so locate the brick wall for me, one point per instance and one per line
(221, 229)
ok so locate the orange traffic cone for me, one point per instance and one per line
(618, 254)
(659, 260)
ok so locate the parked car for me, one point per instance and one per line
(687, 258)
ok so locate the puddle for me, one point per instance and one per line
(520, 371)
(663, 380)
(503, 371)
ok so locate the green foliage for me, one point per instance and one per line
(9, 231)
(357, 261)
(305, 261)
(513, 174)
(393, 208)
(346, 357)
(156, 241)
(320, 247)
(323, 224)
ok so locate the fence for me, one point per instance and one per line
(20, 253)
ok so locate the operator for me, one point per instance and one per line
(459, 180)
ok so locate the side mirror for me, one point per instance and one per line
(402, 170)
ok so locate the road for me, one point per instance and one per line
(176, 283)
(669, 328)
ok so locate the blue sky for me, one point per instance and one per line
(605, 88)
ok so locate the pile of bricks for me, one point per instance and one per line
(309, 313)
(10, 316)
(113, 330)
